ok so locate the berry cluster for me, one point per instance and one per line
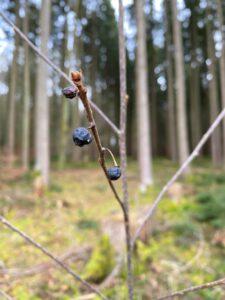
(82, 136)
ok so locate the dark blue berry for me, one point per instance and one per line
(70, 92)
(81, 136)
(114, 173)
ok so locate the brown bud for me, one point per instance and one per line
(76, 76)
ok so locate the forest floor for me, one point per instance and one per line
(79, 221)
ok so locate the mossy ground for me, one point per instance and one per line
(186, 247)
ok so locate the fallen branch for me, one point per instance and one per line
(51, 256)
(183, 167)
(194, 289)
(56, 69)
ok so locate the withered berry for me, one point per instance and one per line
(81, 136)
(70, 92)
(114, 173)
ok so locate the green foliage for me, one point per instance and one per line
(101, 261)
(211, 207)
(88, 224)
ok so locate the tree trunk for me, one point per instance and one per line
(42, 103)
(222, 67)
(172, 142)
(64, 128)
(152, 84)
(12, 94)
(143, 123)
(26, 104)
(216, 150)
(181, 112)
(194, 80)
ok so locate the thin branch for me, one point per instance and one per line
(123, 146)
(72, 255)
(50, 255)
(194, 289)
(56, 69)
(183, 167)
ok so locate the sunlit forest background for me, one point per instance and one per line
(56, 191)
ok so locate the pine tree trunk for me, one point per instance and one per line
(172, 142)
(216, 150)
(42, 103)
(152, 84)
(181, 113)
(194, 80)
(143, 123)
(26, 104)
(222, 67)
(12, 94)
(64, 128)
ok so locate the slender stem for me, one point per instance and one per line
(183, 167)
(56, 69)
(50, 255)
(112, 156)
(123, 146)
(207, 285)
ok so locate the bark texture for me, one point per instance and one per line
(26, 103)
(12, 94)
(42, 104)
(143, 123)
(181, 113)
(216, 150)
(222, 66)
(171, 118)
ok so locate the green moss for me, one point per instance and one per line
(101, 261)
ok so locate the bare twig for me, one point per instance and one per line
(77, 80)
(56, 69)
(192, 156)
(50, 255)
(194, 289)
(123, 146)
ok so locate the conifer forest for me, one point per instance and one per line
(112, 149)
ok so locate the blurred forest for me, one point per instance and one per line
(55, 191)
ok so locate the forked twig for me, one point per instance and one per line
(77, 80)
(194, 289)
(55, 68)
(50, 255)
(192, 156)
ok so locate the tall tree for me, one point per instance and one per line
(12, 92)
(42, 104)
(152, 78)
(26, 103)
(143, 124)
(222, 65)
(181, 113)
(194, 75)
(65, 104)
(170, 90)
(216, 150)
